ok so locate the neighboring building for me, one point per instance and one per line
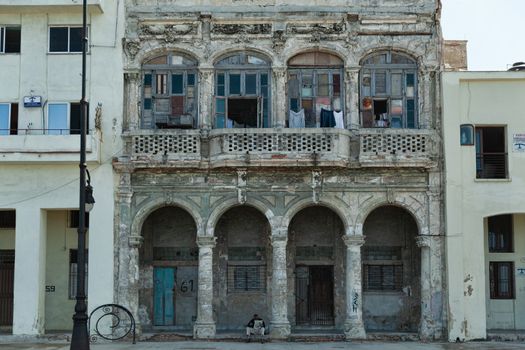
(455, 55)
(40, 90)
(484, 136)
(237, 195)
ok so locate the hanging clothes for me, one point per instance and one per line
(339, 121)
(296, 119)
(327, 118)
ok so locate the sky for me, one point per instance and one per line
(495, 30)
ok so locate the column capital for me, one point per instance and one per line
(354, 240)
(206, 241)
(424, 241)
(132, 76)
(279, 72)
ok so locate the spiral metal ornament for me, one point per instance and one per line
(111, 322)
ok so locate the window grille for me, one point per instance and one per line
(246, 278)
(383, 277)
(501, 280)
(500, 234)
(175, 253)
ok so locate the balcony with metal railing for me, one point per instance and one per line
(46, 145)
(280, 147)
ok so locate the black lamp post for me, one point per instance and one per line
(80, 336)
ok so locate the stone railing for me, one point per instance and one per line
(271, 147)
(397, 147)
(281, 147)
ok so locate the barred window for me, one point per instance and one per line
(383, 277)
(246, 278)
(500, 233)
(73, 273)
(501, 280)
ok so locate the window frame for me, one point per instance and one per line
(481, 166)
(170, 69)
(68, 51)
(67, 130)
(3, 34)
(232, 270)
(494, 275)
(244, 68)
(370, 70)
(496, 237)
(383, 257)
(12, 119)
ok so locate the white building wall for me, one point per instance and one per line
(481, 99)
(40, 172)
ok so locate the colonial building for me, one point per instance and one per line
(282, 159)
(484, 139)
(40, 91)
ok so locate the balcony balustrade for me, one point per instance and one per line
(274, 147)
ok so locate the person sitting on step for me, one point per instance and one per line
(255, 326)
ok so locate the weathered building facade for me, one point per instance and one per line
(285, 160)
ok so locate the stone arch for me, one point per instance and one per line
(226, 205)
(218, 55)
(369, 51)
(149, 207)
(150, 51)
(305, 203)
(297, 51)
(414, 208)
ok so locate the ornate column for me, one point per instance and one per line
(354, 327)
(279, 324)
(279, 97)
(425, 328)
(205, 325)
(206, 93)
(129, 243)
(352, 97)
(132, 97)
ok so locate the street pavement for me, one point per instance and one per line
(208, 345)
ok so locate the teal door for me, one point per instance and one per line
(163, 300)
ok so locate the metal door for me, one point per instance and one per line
(7, 277)
(321, 295)
(314, 295)
(164, 296)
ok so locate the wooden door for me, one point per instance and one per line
(164, 296)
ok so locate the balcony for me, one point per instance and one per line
(397, 148)
(37, 148)
(280, 148)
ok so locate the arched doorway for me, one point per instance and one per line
(242, 91)
(316, 268)
(242, 266)
(315, 90)
(391, 271)
(168, 270)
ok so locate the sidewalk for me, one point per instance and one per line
(204, 345)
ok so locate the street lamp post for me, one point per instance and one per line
(80, 336)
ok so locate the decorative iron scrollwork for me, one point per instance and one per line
(111, 322)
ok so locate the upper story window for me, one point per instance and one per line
(388, 95)
(10, 39)
(64, 119)
(242, 91)
(65, 39)
(8, 118)
(169, 92)
(491, 153)
(315, 91)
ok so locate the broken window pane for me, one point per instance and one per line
(58, 39)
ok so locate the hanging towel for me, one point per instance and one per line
(339, 121)
(296, 119)
(327, 118)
